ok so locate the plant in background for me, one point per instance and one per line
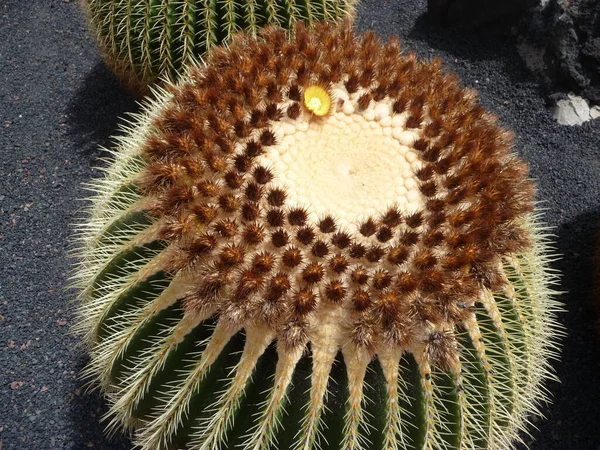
(142, 40)
(315, 241)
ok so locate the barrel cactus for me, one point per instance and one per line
(142, 40)
(315, 241)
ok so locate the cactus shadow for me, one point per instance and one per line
(571, 417)
(86, 410)
(473, 46)
(97, 109)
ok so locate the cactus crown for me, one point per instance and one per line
(142, 40)
(314, 207)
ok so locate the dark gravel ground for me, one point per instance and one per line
(58, 103)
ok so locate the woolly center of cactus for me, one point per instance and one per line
(350, 164)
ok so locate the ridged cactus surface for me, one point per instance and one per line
(317, 242)
(143, 40)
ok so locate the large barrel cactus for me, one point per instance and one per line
(142, 40)
(317, 242)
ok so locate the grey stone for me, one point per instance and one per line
(573, 110)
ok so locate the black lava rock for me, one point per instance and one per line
(573, 54)
(568, 35)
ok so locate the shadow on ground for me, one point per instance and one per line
(577, 396)
(97, 109)
(472, 47)
(87, 410)
(95, 113)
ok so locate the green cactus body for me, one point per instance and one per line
(143, 40)
(234, 297)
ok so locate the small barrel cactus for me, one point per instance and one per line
(142, 40)
(317, 242)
